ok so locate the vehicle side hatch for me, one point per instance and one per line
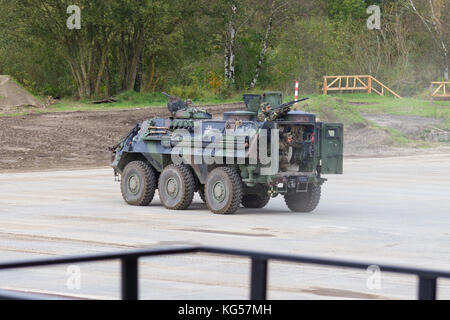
(332, 148)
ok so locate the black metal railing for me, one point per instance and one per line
(427, 279)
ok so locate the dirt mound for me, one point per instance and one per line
(414, 127)
(14, 98)
(411, 126)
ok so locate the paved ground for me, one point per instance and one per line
(385, 210)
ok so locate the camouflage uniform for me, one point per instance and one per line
(285, 143)
(264, 114)
(290, 139)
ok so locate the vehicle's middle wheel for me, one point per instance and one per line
(176, 187)
(223, 190)
(255, 200)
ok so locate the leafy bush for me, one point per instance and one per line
(148, 98)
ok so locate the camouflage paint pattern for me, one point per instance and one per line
(307, 148)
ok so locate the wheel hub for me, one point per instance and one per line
(172, 187)
(134, 184)
(219, 191)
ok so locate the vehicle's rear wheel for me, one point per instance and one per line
(201, 192)
(304, 201)
(138, 183)
(176, 187)
(255, 200)
(223, 190)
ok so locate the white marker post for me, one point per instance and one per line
(296, 90)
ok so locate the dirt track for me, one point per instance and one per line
(70, 140)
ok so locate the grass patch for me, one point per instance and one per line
(398, 138)
(131, 99)
(331, 109)
(405, 106)
(345, 108)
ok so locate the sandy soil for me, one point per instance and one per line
(411, 126)
(14, 98)
(81, 139)
(414, 127)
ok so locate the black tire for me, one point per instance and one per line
(255, 200)
(304, 201)
(223, 190)
(138, 183)
(201, 192)
(176, 187)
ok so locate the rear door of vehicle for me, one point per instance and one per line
(332, 148)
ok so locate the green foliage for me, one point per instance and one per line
(193, 92)
(133, 98)
(309, 49)
(333, 109)
(347, 9)
(178, 46)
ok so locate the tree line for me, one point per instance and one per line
(201, 47)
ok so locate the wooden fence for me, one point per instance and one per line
(351, 83)
(439, 89)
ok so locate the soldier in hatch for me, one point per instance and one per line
(264, 114)
(285, 144)
(288, 142)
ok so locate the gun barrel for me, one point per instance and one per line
(288, 104)
(167, 95)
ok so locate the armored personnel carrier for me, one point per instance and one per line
(245, 159)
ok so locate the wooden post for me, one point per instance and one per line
(369, 84)
(325, 85)
(431, 93)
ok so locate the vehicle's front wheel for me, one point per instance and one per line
(255, 200)
(176, 187)
(223, 190)
(138, 183)
(303, 201)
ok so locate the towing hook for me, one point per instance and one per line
(272, 192)
(116, 176)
